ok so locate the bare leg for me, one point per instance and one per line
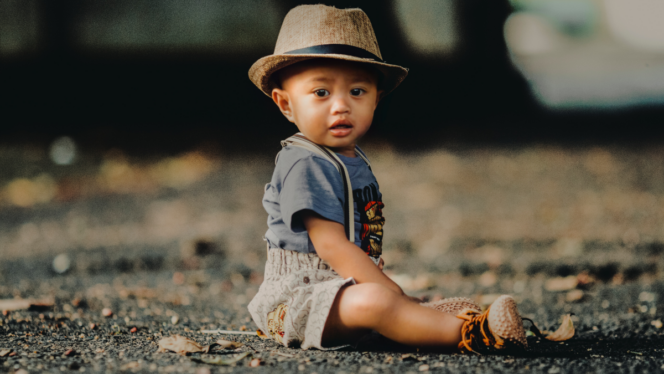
(370, 306)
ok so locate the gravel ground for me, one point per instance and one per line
(171, 245)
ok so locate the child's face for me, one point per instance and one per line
(332, 102)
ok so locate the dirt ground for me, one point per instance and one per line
(173, 245)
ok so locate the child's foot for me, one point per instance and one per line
(499, 328)
(453, 305)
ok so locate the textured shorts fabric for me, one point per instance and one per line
(296, 296)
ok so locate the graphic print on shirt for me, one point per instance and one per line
(370, 207)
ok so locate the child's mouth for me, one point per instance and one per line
(341, 128)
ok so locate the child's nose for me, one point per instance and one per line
(340, 105)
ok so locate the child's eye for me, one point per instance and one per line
(356, 91)
(321, 93)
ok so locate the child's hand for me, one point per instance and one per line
(345, 257)
(381, 263)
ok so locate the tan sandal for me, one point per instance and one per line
(452, 305)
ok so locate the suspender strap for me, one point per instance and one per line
(299, 140)
(361, 154)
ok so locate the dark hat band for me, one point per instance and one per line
(338, 49)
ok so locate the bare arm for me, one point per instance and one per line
(345, 257)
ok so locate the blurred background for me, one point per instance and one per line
(525, 142)
(122, 72)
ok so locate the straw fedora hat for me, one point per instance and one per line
(319, 31)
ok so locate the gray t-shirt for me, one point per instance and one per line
(304, 180)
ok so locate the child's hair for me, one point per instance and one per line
(276, 80)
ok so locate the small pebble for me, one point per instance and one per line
(70, 352)
(61, 263)
(178, 278)
(424, 367)
(63, 151)
(93, 326)
(133, 330)
(175, 320)
(106, 312)
(255, 363)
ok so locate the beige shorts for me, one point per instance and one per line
(295, 298)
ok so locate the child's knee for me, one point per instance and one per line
(368, 299)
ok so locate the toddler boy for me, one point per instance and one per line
(324, 286)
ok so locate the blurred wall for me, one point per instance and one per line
(602, 54)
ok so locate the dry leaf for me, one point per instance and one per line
(561, 284)
(180, 345)
(261, 334)
(18, 304)
(5, 351)
(226, 344)
(565, 331)
(222, 360)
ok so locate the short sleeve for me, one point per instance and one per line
(313, 184)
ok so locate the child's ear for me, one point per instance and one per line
(379, 95)
(281, 98)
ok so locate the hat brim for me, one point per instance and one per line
(261, 71)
